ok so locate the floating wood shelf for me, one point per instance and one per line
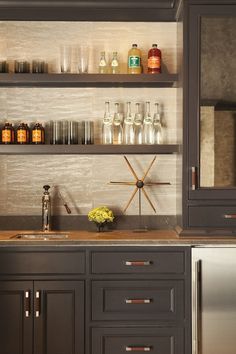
(88, 80)
(88, 149)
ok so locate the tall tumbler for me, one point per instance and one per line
(65, 58)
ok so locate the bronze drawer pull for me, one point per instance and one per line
(37, 304)
(27, 303)
(229, 216)
(138, 301)
(137, 349)
(138, 263)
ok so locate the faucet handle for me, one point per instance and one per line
(46, 187)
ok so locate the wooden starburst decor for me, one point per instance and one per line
(140, 185)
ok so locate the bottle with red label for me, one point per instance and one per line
(154, 60)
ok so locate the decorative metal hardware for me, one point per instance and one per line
(139, 185)
(138, 301)
(229, 216)
(137, 349)
(194, 178)
(37, 304)
(27, 303)
(138, 263)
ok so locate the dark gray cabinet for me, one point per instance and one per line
(42, 317)
(45, 313)
(140, 300)
(69, 302)
(209, 185)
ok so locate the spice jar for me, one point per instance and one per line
(38, 134)
(8, 134)
(22, 134)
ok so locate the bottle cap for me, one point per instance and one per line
(134, 45)
(154, 45)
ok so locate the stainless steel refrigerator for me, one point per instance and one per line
(214, 300)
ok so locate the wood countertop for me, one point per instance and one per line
(121, 237)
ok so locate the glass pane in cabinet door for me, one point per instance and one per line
(218, 102)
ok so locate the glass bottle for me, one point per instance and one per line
(147, 126)
(103, 69)
(117, 126)
(8, 134)
(154, 60)
(157, 126)
(134, 60)
(128, 126)
(138, 125)
(22, 134)
(38, 134)
(107, 126)
(115, 68)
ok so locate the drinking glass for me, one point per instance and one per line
(65, 58)
(83, 59)
(56, 132)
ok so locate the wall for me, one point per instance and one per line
(83, 180)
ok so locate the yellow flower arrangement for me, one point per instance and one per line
(101, 215)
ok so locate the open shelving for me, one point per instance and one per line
(88, 80)
(95, 149)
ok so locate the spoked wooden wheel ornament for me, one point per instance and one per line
(140, 185)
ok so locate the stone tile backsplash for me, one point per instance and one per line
(83, 180)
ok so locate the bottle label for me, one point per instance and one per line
(21, 136)
(6, 136)
(36, 136)
(134, 61)
(154, 62)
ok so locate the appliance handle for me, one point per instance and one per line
(196, 305)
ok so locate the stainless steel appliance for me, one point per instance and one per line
(214, 300)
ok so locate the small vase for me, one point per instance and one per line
(100, 226)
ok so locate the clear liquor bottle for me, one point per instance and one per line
(128, 126)
(157, 126)
(107, 127)
(147, 126)
(117, 126)
(103, 68)
(138, 125)
(115, 67)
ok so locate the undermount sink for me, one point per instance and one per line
(40, 236)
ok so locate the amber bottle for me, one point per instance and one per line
(38, 134)
(22, 134)
(154, 60)
(8, 134)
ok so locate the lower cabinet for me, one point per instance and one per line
(42, 317)
(137, 340)
(95, 300)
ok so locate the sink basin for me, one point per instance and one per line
(40, 236)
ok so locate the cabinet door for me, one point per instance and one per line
(16, 318)
(59, 317)
(210, 114)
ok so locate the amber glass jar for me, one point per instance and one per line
(22, 134)
(38, 134)
(8, 134)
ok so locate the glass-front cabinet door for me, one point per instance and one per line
(211, 117)
(212, 102)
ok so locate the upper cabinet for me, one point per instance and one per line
(94, 10)
(210, 116)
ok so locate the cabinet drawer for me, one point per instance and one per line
(33, 262)
(212, 216)
(138, 300)
(137, 340)
(138, 262)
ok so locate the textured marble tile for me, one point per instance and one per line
(83, 180)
